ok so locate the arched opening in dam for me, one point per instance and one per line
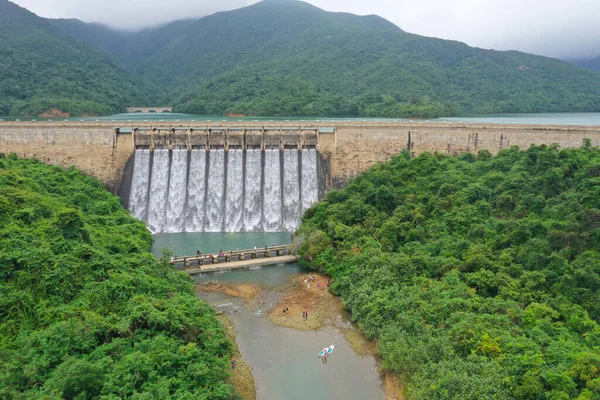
(223, 189)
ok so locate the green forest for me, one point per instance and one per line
(273, 58)
(42, 69)
(478, 275)
(86, 311)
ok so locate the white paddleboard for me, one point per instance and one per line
(329, 350)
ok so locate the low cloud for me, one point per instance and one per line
(130, 14)
(555, 28)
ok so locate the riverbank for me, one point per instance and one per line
(310, 293)
(325, 313)
(241, 374)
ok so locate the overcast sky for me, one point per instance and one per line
(556, 28)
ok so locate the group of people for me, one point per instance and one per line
(211, 256)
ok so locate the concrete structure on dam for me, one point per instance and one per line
(104, 149)
(145, 110)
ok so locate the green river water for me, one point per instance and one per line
(283, 361)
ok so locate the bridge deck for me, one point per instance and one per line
(235, 259)
(233, 265)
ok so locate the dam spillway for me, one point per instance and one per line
(219, 190)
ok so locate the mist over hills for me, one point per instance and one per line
(590, 63)
(291, 58)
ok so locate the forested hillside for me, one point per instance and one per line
(42, 69)
(479, 276)
(283, 57)
(130, 48)
(85, 310)
(288, 57)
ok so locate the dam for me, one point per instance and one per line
(251, 176)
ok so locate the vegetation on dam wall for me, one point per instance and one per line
(479, 276)
(85, 309)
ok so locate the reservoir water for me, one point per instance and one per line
(186, 244)
(589, 119)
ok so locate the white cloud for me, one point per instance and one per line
(557, 28)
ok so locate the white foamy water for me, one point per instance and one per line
(310, 186)
(215, 191)
(253, 193)
(159, 188)
(138, 197)
(272, 191)
(175, 220)
(235, 191)
(196, 191)
(291, 190)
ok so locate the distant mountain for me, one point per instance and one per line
(291, 58)
(286, 57)
(593, 63)
(42, 69)
(130, 48)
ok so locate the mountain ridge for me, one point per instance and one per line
(292, 58)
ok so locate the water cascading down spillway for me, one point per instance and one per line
(220, 190)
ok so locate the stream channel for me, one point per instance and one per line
(283, 360)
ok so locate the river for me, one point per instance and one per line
(284, 361)
(588, 119)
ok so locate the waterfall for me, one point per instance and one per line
(235, 191)
(196, 191)
(175, 221)
(291, 190)
(272, 191)
(159, 188)
(138, 198)
(213, 191)
(253, 191)
(309, 185)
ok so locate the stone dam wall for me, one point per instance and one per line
(104, 149)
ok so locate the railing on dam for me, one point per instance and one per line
(226, 137)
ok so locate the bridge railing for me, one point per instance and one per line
(237, 255)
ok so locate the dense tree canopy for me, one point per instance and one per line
(85, 309)
(42, 69)
(277, 58)
(479, 276)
